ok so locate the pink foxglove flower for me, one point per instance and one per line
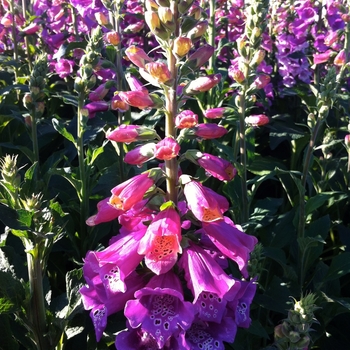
(323, 57)
(340, 59)
(167, 149)
(139, 99)
(97, 106)
(99, 93)
(137, 56)
(257, 120)
(117, 261)
(211, 287)
(130, 192)
(118, 104)
(161, 243)
(140, 154)
(215, 113)
(209, 131)
(64, 67)
(232, 242)
(101, 304)
(130, 133)
(160, 309)
(217, 167)
(105, 213)
(203, 84)
(186, 119)
(205, 204)
(158, 71)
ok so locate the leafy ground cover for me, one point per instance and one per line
(174, 174)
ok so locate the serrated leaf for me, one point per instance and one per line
(339, 267)
(59, 127)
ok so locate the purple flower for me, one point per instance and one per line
(161, 244)
(160, 309)
(209, 283)
(241, 304)
(102, 304)
(209, 335)
(105, 213)
(64, 67)
(232, 242)
(116, 262)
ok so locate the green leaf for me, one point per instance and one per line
(317, 201)
(8, 341)
(59, 127)
(14, 219)
(74, 281)
(12, 293)
(111, 53)
(340, 266)
(69, 176)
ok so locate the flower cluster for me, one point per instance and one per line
(167, 266)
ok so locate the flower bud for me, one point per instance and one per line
(340, 59)
(203, 84)
(153, 21)
(102, 19)
(140, 154)
(199, 57)
(97, 106)
(261, 81)
(131, 133)
(182, 46)
(166, 17)
(257, 120)
(209, 131)
(137, 56)
(198, 30)
(28, 101)
(323, 57)
(112, 38)
(167, 149)
(294, 336)
(186, 119)
(139, 99)
(258, 57)
(184, 5)
(118, 104)
(214, 113)
(159, 71)
(347, 141)
(9, 170)
(151, 5)
(39, 109)
(31, 29)
(236, 74)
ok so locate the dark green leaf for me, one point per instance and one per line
(339, 267)
(59, 127)
(14, 219)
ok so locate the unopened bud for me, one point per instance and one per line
(166, 17)
(184, 5)
(257, 58)
(182, 46)
(340, 59)
(198, 30)
(112, 38)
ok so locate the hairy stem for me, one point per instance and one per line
(36, 311)
(171, 167)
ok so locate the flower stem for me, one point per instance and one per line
(82, 193)
(243, 155)
(36, 311)
(171, 167)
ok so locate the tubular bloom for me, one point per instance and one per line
(166, 267)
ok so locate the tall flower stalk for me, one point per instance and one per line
(169, 229)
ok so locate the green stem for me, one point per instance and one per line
(34, 135)
(171, 166)
(26, 40)
(211, 41)
(15, 44)
(36, 311)
(83, 197)
(243, 154)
